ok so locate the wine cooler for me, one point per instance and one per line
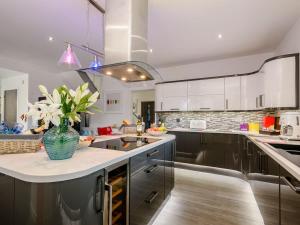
(116, 195)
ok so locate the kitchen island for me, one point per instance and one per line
(37, 191)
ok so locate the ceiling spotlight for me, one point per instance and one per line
(151, 50)
(130, 70)
(69, 57)
(123, 78)
(50, 39)
(108, 73)
(220, 36)
(143, 77)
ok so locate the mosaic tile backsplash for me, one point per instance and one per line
(214, 120)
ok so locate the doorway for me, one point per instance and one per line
(10, 106)
(148, 114)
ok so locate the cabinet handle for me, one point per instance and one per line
(99, 192)
(248, 152)
(226, 103)
(173, 109)
(204, 108)
(256, 102)
(295, 189)
(151, 197)
(109, 189)
(152, 153)
(151, 169)
(261, 97)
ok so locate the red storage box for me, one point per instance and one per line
(104, 130)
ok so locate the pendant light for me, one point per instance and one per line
(96, 63)
(69, 57)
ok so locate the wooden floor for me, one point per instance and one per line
(208, 199)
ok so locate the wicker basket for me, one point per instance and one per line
(12, 144)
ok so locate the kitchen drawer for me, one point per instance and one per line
(146, 159)
(146, 194)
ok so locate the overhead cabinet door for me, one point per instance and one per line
(206, 103)
(207, 95)
(206, 87)
(171, 96)
(233, 93)
(280, 83)
(252, 92)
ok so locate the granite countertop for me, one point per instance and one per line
(38, 168)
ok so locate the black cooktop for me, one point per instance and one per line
(124, 143)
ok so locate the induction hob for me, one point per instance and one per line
(124, 143)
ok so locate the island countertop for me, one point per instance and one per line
(38, 168)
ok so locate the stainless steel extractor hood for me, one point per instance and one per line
(126, 44)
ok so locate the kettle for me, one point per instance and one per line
(290, 125)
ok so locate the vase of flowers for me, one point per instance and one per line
(62, 109)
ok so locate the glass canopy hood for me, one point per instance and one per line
(130, 71)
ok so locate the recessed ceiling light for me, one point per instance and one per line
(220, 36)
(108, 73)
(123, 78)
(143, 77)
(129, 70)
(50, 38)
(151, 50)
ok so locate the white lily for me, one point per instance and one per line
(56, 97)
(43, 90)
(93, 99)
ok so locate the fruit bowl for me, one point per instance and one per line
(156, 133)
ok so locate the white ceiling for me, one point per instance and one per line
(180, 31)
(26, 26)
(186, 31)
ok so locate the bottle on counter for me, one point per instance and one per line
(139, 126)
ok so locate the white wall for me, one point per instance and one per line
(291, 42)
(238, 65)
(108, 119)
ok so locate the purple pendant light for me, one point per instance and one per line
(69, 57)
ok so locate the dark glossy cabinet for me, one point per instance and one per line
(146, 185)
(151, 181)
(6, 199)
(289, 199)
(169, 167)
(78, 201)
(263, 176)
(187, 146)
(208, 149)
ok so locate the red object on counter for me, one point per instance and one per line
(104, 130)
(268, 121)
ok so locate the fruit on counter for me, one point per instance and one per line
(158, 129)
(126, 122)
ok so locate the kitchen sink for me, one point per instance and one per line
(292, 149)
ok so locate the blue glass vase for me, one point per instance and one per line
(61, 142)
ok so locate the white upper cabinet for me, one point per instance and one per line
(206, 95)
(279, 83)
(206, 87)
(206, 103)
(233, 93)
(176, 89)
(274, 86)
(252, 92)
(171, 96)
